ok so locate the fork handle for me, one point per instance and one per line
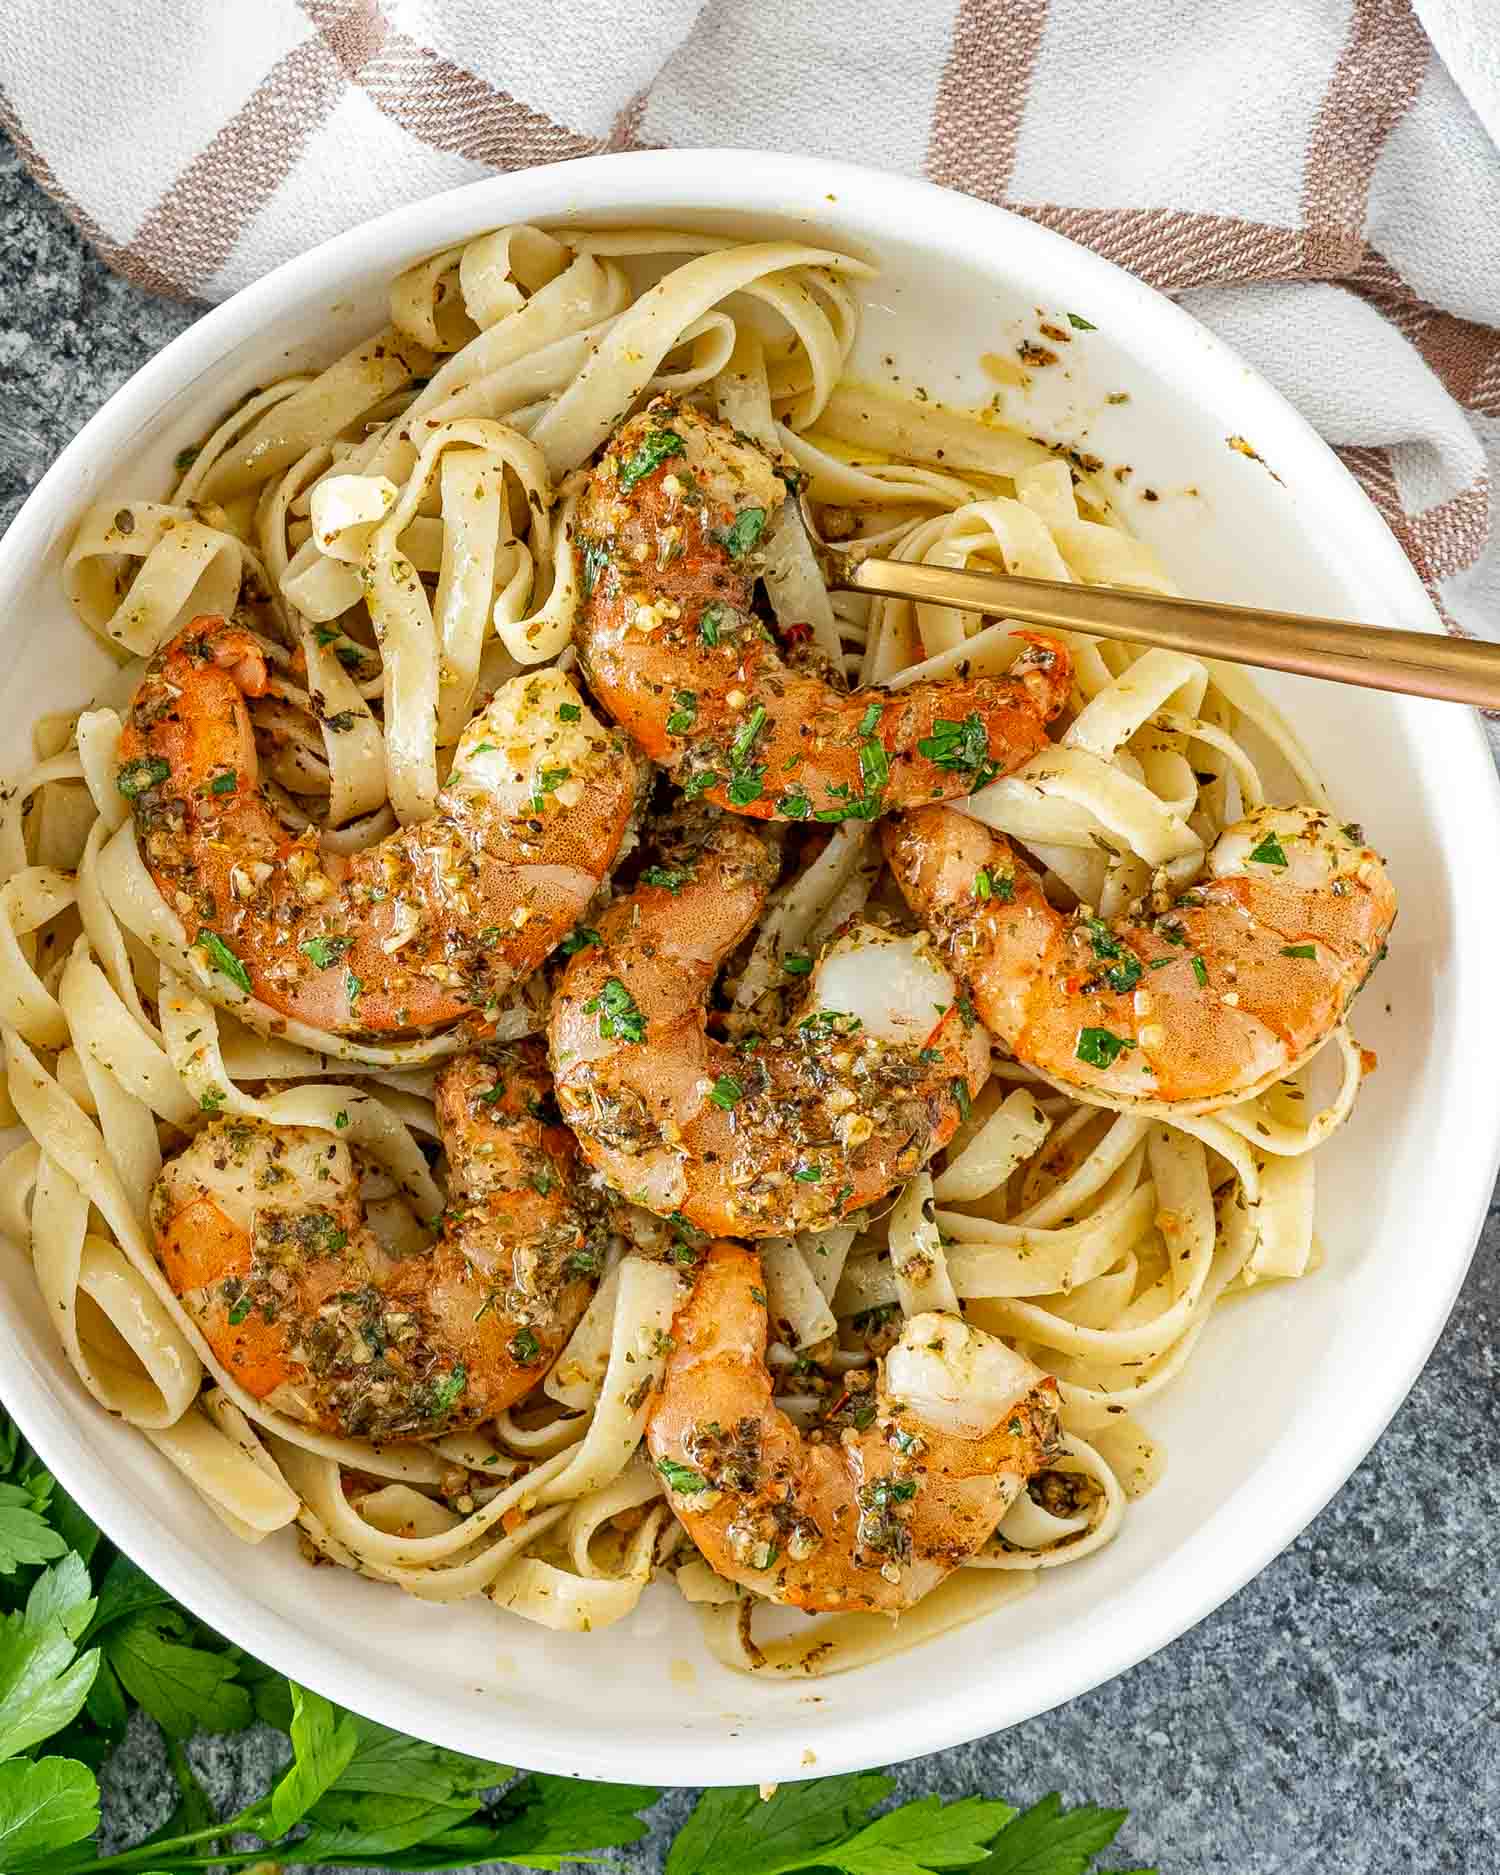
(1418, 664)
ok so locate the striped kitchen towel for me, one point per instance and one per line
(1318, 180)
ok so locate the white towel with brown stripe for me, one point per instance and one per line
(1318, 180)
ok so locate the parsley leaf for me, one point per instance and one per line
(726, 1092)
(1299, 950)
(732, 1832)
(25, 1536)
(1048, 1840)
(579, 940)
(183, 1687)
(1269, 852)
(324, 1740)
(44, 1806)
(43, 1682)
(1080, 324)
(547, 1821)
(927, 1834)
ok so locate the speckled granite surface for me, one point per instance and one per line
(1340, 1717)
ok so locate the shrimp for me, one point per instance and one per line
(786, 1131)
(1204, 997)
(868, 1515)
(435, 922)
(667, 531)
(261, 1232)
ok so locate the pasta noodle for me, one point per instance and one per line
(397, 530)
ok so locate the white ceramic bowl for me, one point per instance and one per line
(1284, 1395)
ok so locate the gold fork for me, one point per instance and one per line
(1421, 664)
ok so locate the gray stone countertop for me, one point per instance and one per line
(1340, 1716)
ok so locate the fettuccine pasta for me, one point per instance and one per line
(398, 532)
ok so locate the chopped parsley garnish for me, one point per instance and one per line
(1005, 888)
(825, 1022)
(619, 1018)
(136, 777)
(670, 878)
(1200, 971)
(325, 635)
(748, 787)
(726, 1092)
(579, 940)
(1299, 950)
(320, 1230)
(962, 748)
(984, 885)
(224, 960)
(868, 721)
(1125, 970)
(1079, 323)
(325, 950)
(185, 458)
(711, 623)
(595, 559)
(796, 963)
(738, 540)
(353, 987)
(682, 1478)
(795, 806)
(1269, 852)
(892, 1491)
(875, 772)
(489, 1095)
(211, 1100)
(1101, 1048)
(569, 713)
(657, 447)
(449, 1388)
(524, 1347)
(808, 1174)
(961, 1096)
(226, 783)
(542, 1182)
(684, 713)
(700, 783)
(241, 1311)
(744, 739)
(548, 782)
(341, 1119)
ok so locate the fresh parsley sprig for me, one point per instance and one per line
(85, 1637)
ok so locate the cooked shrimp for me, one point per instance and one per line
(433, 923)
(261, 1231)
(870, 1512)
(786, 1131)
(667, 533)
(1203, 997)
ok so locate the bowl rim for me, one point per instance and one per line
(1241, 1538)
